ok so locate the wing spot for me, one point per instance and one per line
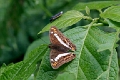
(51, 32)
(54, 29)
(54, 64)
(52, 60)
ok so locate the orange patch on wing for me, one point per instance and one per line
(54, 64)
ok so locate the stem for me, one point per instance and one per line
(87, 18)
(97, 24)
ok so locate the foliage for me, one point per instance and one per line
(96, 55)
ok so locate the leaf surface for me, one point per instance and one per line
(23, 69)
(95, 5)
(36, 44)
(112, 13)
(67, 19)
(92, 62)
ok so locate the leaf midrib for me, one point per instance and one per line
(89, 26)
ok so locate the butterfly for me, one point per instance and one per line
(61, 48)
(56, 16)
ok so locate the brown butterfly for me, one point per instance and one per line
(61, 48)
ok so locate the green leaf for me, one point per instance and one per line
(105, 45)
(35, 44)
(89, 64)
(87, 10)
(113, 24)
(22, 70)
(67, 19)
(95, 5)
(112, 13)
(8, 72)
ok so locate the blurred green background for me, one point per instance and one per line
(21, 20)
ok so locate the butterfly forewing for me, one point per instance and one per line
(57, 38)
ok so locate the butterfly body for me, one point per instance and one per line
(58, 48)
(61, 48)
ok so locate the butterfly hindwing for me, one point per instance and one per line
(58, 58)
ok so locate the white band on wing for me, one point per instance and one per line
(61, 41)
(61, 55)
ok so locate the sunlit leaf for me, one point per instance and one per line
(112, 13)
(95, 5)
(67, 19)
